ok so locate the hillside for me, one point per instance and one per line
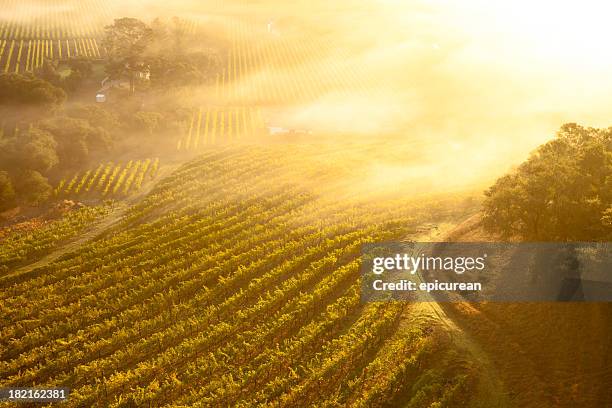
(546, 354)
(200, 199)
(233, 282)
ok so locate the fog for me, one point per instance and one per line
(476, 85)
(473, 86)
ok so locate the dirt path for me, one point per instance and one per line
(115, 216)
(90, 233)
(490, 391)
(545, 354)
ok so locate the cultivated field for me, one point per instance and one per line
(183, 211)
(32, 32)
(233, 282)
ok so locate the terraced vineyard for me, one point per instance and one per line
(19, 248)
(109, 179)
(265, 70)
(289, 67)
(214, 125)
(31, 32)
(234, 282)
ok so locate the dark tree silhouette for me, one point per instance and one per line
(125, 42)
(563, 192)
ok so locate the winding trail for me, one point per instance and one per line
(490, 391)
(113, 217)
(119, 209)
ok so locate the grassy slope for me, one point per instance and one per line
(548, 354)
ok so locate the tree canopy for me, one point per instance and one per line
(7, 192)
(35, 149)
(563, 192)
(28, 90)
(33, 187)
(76, 138)
(125, 42)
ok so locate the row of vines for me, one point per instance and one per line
(109, 179)
(53, 19)
(214, 125)
(31, 33)
(232, 283)
(28, 55)
(268, 68)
